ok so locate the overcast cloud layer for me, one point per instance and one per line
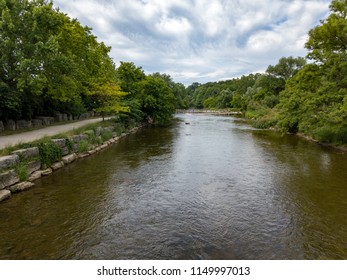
(200, 40)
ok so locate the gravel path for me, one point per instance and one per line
(30, 136)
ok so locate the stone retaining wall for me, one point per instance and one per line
(42, 120)
(10, 181)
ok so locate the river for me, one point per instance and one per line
(207, 187)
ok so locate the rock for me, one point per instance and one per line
(91, 152)
(2, 127)
(33, 166)
(8, 178)
(69, 158)
(8, 161)
(65, 151)
(46, 172)
(46, 120)
(103, 146)
(60, 117)
(23, 124)
(21, 187)
(57, 165)
(27, 153)
(35, 176)
(89, 132)
(60, 142)
(4, 194)
(36, 122)
(10, 125)
(83, 155)
(98, 131)
(79, 138)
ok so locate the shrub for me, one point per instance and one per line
(106, 135)
(49, 153)
(83, 146)
(22, 171)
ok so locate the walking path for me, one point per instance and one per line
(30, 136)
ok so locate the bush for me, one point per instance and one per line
(22, 171)
(83, 146)
(106, 135)
(49, 153)
(330, 135)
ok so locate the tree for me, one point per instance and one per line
(287, 67)
(107, 99)
(157, 99)
(329, 38)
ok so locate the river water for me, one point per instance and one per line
(211, 189)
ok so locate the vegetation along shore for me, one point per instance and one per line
(53, 65)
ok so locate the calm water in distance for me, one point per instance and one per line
(211, 189)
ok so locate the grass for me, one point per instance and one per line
(9, 149)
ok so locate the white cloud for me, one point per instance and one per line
(200, 40)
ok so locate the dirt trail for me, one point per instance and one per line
(30, 136)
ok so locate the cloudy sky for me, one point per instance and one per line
(200, 40)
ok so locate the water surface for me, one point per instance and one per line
(211, 189)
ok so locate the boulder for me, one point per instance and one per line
(57, 165)
(23, 124)
(10, 125)
(27, 153)
(21, 187)
(69, 158)
(4, 194)
(35, 176)
(8, 161)
(8, 178)
(36, 122)
(33, 166)
(60, 142)
(46, 120)
(46, 172)
(65, 151)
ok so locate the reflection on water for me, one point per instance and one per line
(213, 189)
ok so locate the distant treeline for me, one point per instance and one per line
(50, 63)
(294, 95)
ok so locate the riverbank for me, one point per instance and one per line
(21, 168)
(214, 112)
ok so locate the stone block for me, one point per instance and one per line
(5, 194)
(46, 172)
(36, 122)
(8, 178)
(83, 155)
(98, 131)
(60, 142)
(57, 165)
(34, 166)
(23, 124)
(65, 151)
(89, 132)
(35, 176)
(70, 158)
(46, 120)
(103, 146)
(8, 161)
(2, 127)
(27, 153)
(10, 125)
(21, 187)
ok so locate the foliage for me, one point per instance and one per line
(49, 153)
(51, 63)
(22, 171)
(106, 135)
(83, 146)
